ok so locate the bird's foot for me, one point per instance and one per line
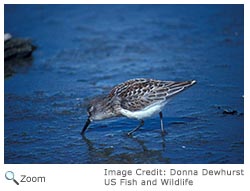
(163, 133)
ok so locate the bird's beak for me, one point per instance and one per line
(85, 126)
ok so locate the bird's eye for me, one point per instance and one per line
(91, 108)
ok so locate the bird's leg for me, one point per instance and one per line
(162, 126)
(140, 125)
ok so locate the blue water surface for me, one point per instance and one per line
(84, 50)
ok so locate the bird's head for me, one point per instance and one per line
(98, 109)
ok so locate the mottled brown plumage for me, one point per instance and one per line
(136, 98)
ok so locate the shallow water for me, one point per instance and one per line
(84, 50)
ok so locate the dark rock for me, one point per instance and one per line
(17, 55)
(230, 112)
(227, 110)
(17, 48)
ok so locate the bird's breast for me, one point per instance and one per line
(145, 112)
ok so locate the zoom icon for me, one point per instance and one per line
(9, 175)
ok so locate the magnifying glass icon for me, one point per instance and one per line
(9, 175)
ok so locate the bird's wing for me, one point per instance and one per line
(139, 96)
(136, 95)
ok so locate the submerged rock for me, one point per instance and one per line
(230, 112)
(227, 110)
(17, 54)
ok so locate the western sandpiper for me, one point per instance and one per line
(137, 98)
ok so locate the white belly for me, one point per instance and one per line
(145, 113)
